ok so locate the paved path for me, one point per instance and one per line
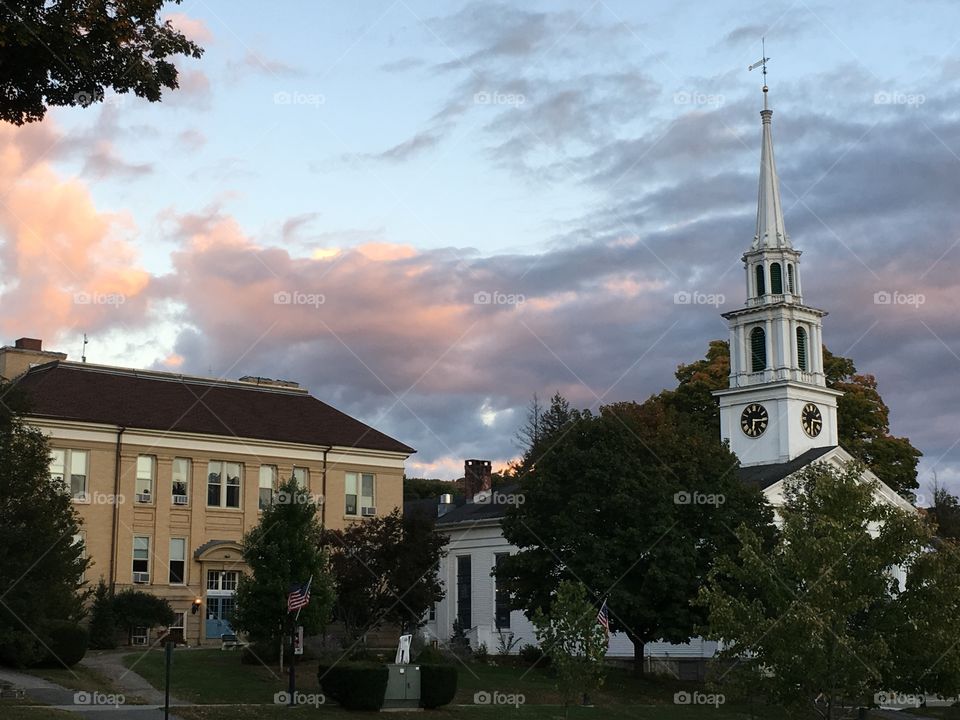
(129, 682)
(58, 697)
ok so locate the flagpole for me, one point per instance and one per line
(293, 642)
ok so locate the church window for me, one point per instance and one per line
(776, 279)
(761, 285)
(790, 278)
(758, 349)
(802, 348)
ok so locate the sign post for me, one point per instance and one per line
(168, 661)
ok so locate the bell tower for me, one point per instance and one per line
(778, 404)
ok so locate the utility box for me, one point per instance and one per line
(403, 687)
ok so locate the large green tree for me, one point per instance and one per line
(862, 417)
(820, 618)
(636, 503)
(283, 550)
(41, 564)
(69, 52)
(386, 569)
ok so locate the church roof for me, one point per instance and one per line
(763, 476)
(771, 230)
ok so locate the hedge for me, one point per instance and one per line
(68, 643)
(355, 685)
(438, 685)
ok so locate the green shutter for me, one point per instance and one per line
(761, 285)
(776, 279)
(758, 349)
(802, 348)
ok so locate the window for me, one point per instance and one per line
(790, 277)
(432, 612)
(69, 469)
(802, 348)
(177, 631)
(359, 485)
(141, 559)
(223, 484)
(758, 349)
(181, 480)
(178, 560)
(501, 613)
(776, 279)
(464, 609)
(225, 580)
(302, 476)
(80, 541)
(761, 285)
(268, 483)
(144, 486)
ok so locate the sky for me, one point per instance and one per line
(427, 212)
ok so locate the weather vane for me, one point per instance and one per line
(762, 62)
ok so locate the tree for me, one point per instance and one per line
(820, 617)
(946, 513)
(573, 639)
(637, 501)
(69, 52)
(863, 418)
(135, 608)
(41, 563)
(103, 621)
(283, 550)
(386, 569)
(428, 488)
(543, 428)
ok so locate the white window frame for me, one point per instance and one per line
(304, 481)
(146, 474)
(182, 559)
(354, 481)
(186, 479)
(220, 580)
(136, 559)
(266, 483)
(66, 474)
(223, 483)
(81, 539)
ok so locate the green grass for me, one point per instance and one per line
(78, 677)
(32, 712)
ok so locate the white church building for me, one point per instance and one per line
(778, 415)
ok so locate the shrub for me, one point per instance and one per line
(534, 655)
(103, 622)
(438, 685)
(136, 608)
(431, 656)
(355, 685)
(480, 654)
(68, 643)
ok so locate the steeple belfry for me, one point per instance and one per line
(771, 231)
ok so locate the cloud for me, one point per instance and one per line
(194, 28)
(254, 63)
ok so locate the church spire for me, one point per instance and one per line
(771, 231)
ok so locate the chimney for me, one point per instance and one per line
(445, 504)
(476, 478)
(23, 355)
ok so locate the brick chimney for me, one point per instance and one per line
(476, 478)
(25, 353)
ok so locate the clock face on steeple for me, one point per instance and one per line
(811, 420)
(754, 420)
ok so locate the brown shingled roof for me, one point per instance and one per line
(167, 402)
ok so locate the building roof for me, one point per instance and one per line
(771, 230)
(763, 476)
(168, 402)
(475, 511)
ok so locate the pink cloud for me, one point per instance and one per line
(194, 28)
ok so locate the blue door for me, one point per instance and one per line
(219, 610)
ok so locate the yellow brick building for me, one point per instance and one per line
(169, 471)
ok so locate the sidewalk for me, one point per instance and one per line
(128, 681)
(58, 697)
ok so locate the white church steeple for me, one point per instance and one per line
(778, 405)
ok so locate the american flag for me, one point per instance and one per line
(299, 597)
(603, 617)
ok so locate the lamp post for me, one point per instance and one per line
(194, 609)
